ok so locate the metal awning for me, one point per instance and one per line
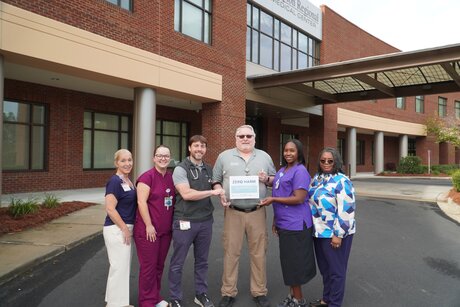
(422, 72)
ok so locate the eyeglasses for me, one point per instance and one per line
(163, 157)
(328, 161)
(242, 136)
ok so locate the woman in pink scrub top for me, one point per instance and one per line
(153, 226)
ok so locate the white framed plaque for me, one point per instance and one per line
(244, 187)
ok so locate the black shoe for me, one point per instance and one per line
(203, 300)
(318, 303)
(226, 301)
(262, 301)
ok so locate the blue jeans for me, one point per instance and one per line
(199, 234)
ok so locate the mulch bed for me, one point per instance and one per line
(9, 225)
(454, 195)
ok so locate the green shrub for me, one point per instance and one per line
(19, 207)
(456, 180)
(445, 168)
(410, 165)
(50, 201)
(436, 172)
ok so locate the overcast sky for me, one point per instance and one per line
(405, 24)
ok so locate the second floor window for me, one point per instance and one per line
(442, 107)
(277, 45)
(420, 104)
(24, 136)
(401, 103)
(125, 4)
(193, 18)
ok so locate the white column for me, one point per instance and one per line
(378, 152)
(2, 78)
(403, 145)
(144, 129)
(351, 151)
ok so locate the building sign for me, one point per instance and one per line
(300, 13)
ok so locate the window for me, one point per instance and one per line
(125, 4)
(401, 103)
(175, 136)
(341, 148)
(24, 136)
(457, 109)
(277, 45)
(284, 137)
(103, 134)
(193, 18)
(420, 104)
(411, 150)
(360, 152)
(442, 107)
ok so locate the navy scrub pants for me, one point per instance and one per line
(332, 263)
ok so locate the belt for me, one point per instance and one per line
(245, 210)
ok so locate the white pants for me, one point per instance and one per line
(117, 291)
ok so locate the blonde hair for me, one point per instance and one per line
(118, 153)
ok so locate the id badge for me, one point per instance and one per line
(126, 187)
(184, 225)
(168, 202)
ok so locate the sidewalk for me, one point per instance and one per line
(21, 251)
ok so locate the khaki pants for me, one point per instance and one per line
(237, 225)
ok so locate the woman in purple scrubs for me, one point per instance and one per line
(292, 222)
(153, 226)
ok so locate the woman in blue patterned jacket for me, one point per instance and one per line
(332, 201)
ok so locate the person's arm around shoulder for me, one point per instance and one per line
(143, 192)
(110, 207)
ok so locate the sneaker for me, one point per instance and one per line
(300, 303)
(226, 301)
(174, 303)
(163, 303)
(203, 300)
(262, 301)
(287, 302)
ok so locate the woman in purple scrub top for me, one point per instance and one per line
(153, 226)
(292, 223)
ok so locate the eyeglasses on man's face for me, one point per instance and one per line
(242, 136)
(166, 157)
(326, 161)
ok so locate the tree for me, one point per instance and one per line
(444, 130)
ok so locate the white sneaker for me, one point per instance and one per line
(163, 303)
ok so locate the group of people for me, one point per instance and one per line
(312, 217)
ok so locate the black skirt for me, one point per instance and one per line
(297, 256)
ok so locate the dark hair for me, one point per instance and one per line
(159, 146)
(338, 163)
(197, 138)
(299, 146)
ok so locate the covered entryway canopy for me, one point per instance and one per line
(423, 72)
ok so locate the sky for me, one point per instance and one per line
(405, 24)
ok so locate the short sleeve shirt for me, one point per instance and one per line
(230, 163)
(126, 200)
(161, 215)
(291, 217)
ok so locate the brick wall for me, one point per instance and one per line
(150, 26)
(65, 136)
